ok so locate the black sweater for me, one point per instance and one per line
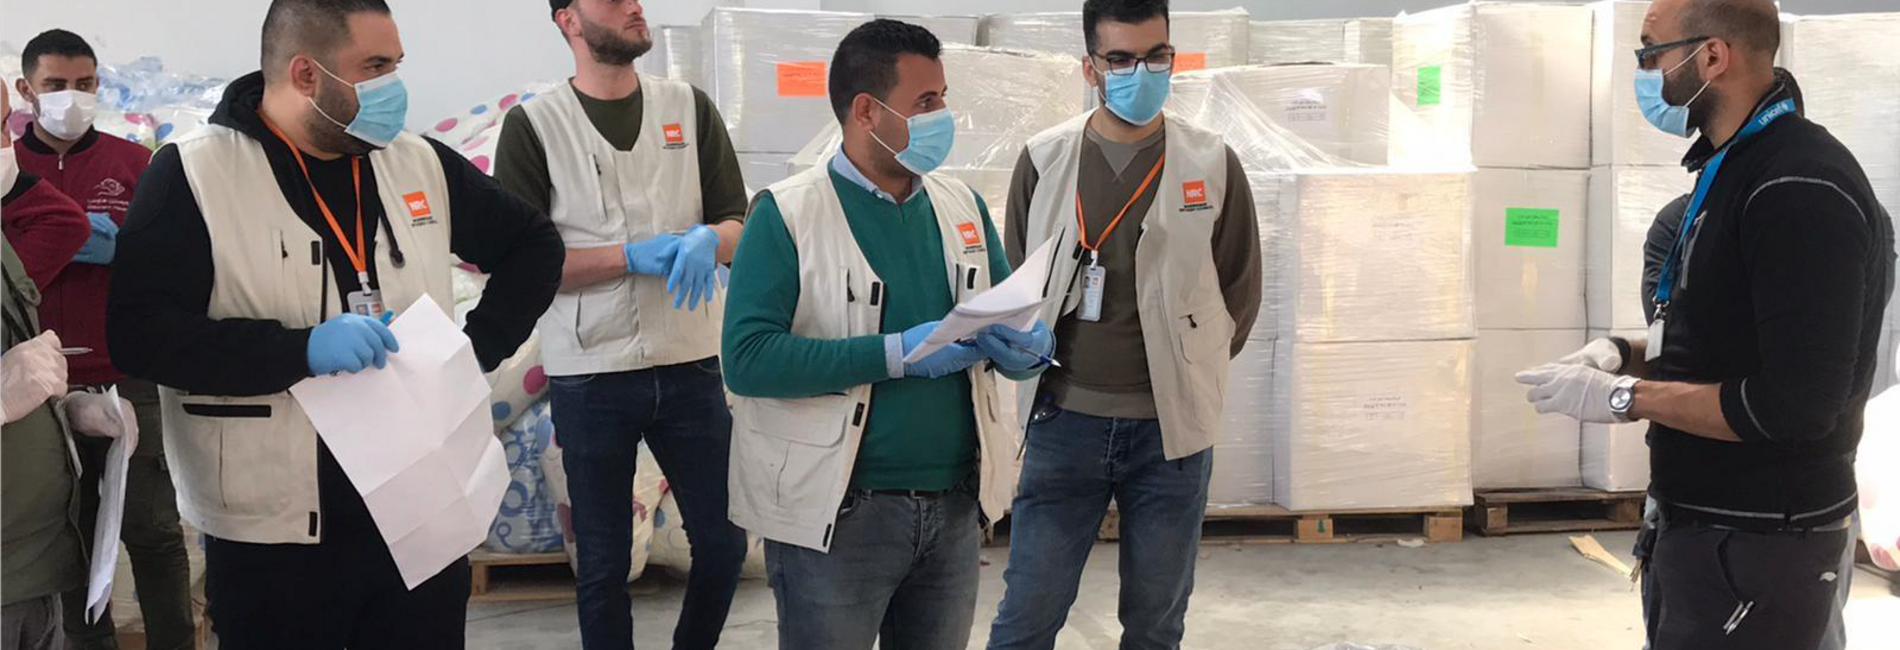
(1790, 266)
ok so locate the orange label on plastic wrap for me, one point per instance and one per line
(1190, 61)
(801, 79)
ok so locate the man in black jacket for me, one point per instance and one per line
(1761, 352)
(263, 251)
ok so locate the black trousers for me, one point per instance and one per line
(1712, 588)
(343, 593)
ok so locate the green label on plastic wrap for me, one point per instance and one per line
(1429, 85)
(1530, 227)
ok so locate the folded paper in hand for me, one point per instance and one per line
(1015, 302)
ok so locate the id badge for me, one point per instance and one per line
(1094, 279)
(1653, 350)
(366, 303)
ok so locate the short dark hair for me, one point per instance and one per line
(54, 42)
(1118, 11)
(313, 27)
(866, 60)
(1752, 25)
(555, 6)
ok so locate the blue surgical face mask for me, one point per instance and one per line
(1671, 119)
(932, 135)
(382, 106)
(1136, 98)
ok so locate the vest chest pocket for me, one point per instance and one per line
(794, 447)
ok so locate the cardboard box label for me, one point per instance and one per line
(1530, 227)
(1190, 61)
(801, 78)
(1429, 85)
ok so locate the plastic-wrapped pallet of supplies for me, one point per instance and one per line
(685, 56)
(528, 521)
(767, 70)
(1372, 425)
(1493, 84)
(1055, 32)
(1369, 41)
(1529, 233)
(1877, 469)
(1369, 254)
(1623, 204)
(1201, 39)
(1243, 466)
(1297, 41)
(1615, 457)
(1512, 446)
(1618, 132)
(1341, 110)
(960, 30)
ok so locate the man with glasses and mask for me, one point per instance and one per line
(639, 175)
(269, 247)
(1761, 349)
(1157, 286)
(869, 473)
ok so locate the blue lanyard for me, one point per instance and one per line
(1666, 283)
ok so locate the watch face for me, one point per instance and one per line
(1620, 399)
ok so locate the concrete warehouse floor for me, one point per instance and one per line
(1530, 592)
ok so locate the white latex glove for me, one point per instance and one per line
(1601, 354)
(30, 373)
(92, 414)
(1581, 392)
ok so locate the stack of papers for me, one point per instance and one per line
(1014, 303)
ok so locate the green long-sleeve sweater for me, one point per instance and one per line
(922, 433)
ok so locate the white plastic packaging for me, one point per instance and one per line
(1493, 84)
(1340, 110)
(1201, 39)
(1615, 457)
(1243, 456)
(1297, 41)
(1529, 232)
(959, 30)
(1887, 368)
(1369, 41)
(1372, 425)
(1512, 446)
(1623, 204)
(1619, 135)
(766, 70)
(685, 57)
(1057, 32)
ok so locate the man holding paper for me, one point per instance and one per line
(870, 476)
(264, 250)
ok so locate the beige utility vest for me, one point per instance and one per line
(1186, 329)
(607, 197)
(246, 467)
(792, 458)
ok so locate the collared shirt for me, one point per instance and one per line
(848, 170)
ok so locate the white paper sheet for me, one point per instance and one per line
(1015, 303)
(106, 526)
(418, 442)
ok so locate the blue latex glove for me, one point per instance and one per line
(103, 243)
(651, 256)
(952, 359)
(693, 271)
(1016, 351)
(349, 343)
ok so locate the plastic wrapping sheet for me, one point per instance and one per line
(1493, 84)
(1372, 425)
(959, 30)
(139, 101)
(1339, 111)
(528, 521)
(1202, 39)
(1243, 462)
(1887, 368)
(1512, 446)
(1529, 235)
(1053, 32)
(1371, 254)
(1297, 41)
(1619, 134)
(762, 169)
(1369, 41)
(685, 54)
(1623, 205)
(767, 71)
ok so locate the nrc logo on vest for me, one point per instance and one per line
(1194, 196)
(419, 212)
(675, 136)
(972, 237)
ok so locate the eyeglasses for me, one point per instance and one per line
(1123, 65)
(1646, 57)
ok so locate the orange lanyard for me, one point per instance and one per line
(1095, 249)
(359, 255)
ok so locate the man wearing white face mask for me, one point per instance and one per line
(44, 227)
(264, 249)
(873, 520)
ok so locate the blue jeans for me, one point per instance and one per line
(1073, 465)
(901, 575)
(599, 421)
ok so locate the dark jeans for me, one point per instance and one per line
(1712, 588)
(154, 541)
(1073, 465)
(599, 421)
(342, 593)
(901, 575)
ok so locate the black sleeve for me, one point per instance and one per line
(156, 322)
(1662, 237)
(1022, 188)
(1806, 247)
(511, 241)
(521, 164)
(721, 184)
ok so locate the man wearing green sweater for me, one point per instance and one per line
(870, 474)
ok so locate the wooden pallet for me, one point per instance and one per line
(1278, 525)
(498, 577)
(1554, 510)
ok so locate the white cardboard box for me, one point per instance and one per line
(1243, 455)
(1372, 425)
(1201, 39)
(1623, 204)
(1529, 233)
(767, 71)
(1619, 133)
(1298, 41)
(1494, 84)
(1365, 255)
(1369, 41)
(1341, 110)
(962, 30)
(1512, 446)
